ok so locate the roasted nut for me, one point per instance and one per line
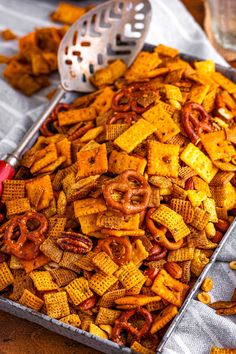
(74, 242)
(207, 284)
(173, 269)
(204, 298)
(89, 303)
(218, 237)
(222, 225)
(210, 230)
(151, 273)
(233, 265)
(156, 253)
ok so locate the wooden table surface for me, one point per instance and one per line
(22, 337)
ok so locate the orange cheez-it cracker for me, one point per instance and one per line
(163, 159)
(92, 162)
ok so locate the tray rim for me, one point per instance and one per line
(84, 337)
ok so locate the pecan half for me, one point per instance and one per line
(89, 303)
(222, 225)
(75, 242)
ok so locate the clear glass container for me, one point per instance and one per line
(223, 16)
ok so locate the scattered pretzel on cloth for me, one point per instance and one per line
(120, 203)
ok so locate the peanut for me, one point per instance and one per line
(204, 298)
(233, 265)
(207, 284)
(210, 230)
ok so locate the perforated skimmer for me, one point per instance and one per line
(115, 29)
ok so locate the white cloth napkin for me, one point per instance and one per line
(201, 328)
(172, 25)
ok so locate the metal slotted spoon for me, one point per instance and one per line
(115, 29)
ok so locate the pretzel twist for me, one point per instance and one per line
(119, 258)
(45, 127)
(122, 323)
(126, 117)
(121, 102)
(127, 98)
(159, 234)
(193, 125)
(124, 185)
(22, 248)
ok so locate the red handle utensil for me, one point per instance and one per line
(6, 172)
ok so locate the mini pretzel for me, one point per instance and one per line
(21, 248)
(193, 125)
(136, 91)
(126, 117)
(124, 184)
(160, 233)
(123, 257)
(122, 323)
(126, 99)
(120, 102)
(45, 127)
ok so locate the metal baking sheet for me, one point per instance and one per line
(86, 338)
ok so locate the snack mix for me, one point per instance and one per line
(28, 70)
(119, 205)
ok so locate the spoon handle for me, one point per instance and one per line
(8, 166)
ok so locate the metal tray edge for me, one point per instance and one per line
(195, 288)
(107, 346)
(61, 328)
